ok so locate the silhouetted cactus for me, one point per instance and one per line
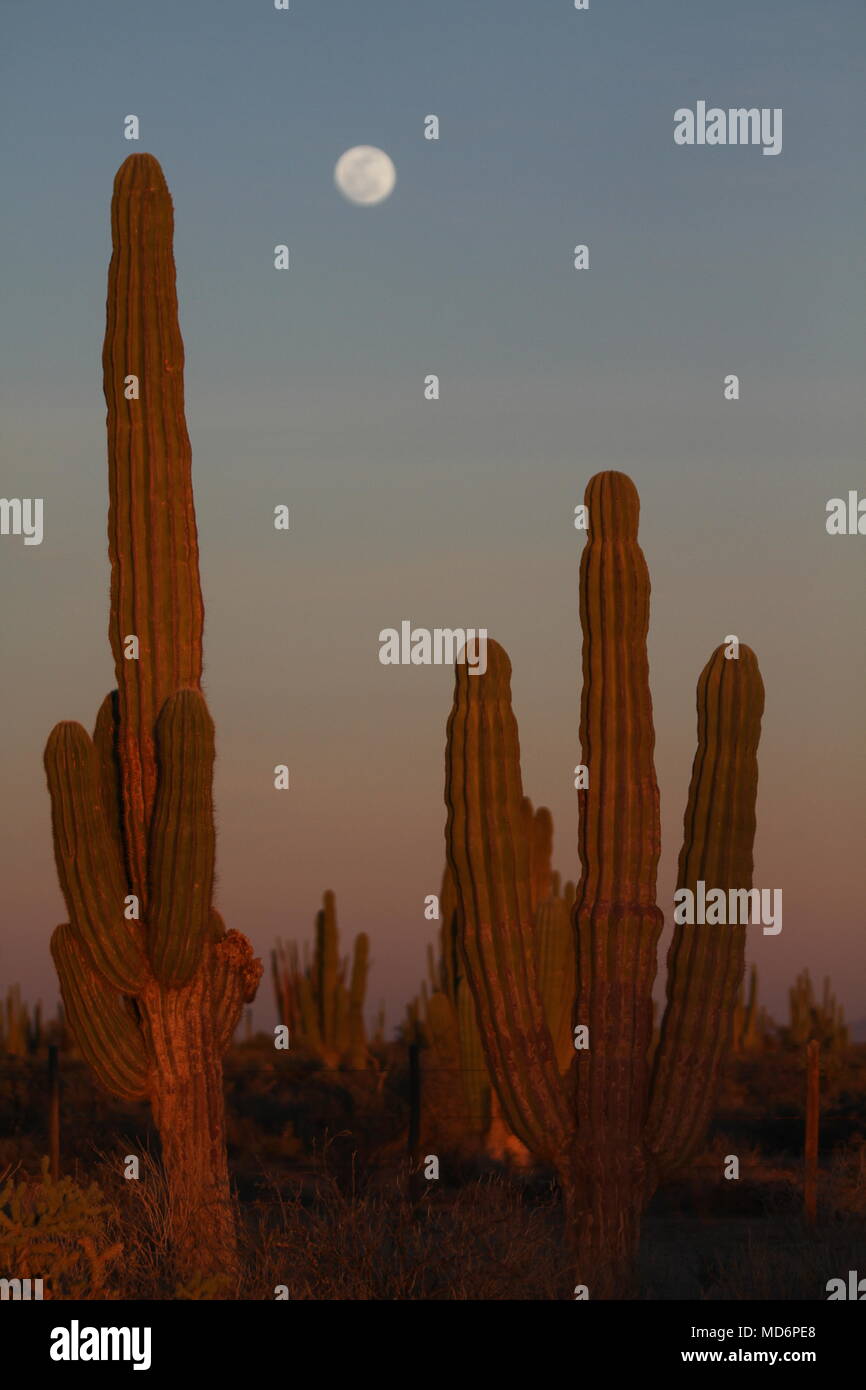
(615, 1127)
(324, 1014)
(20, 1029)
(811, 1018)
(753, 1029)
(152, 982)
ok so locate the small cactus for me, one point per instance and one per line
(811, 1018)
(324, 1013)
(20, 1029)
(753, 1029)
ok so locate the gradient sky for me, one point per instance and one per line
(306, 387)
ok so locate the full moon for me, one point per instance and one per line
(365, 175)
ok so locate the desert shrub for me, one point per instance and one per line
(58, 1232)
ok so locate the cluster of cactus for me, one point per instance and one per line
(752, 1030)
(444, 1018)
(811, 1018)
(620, 1120)
(319, 999)
(21, 1032)
(152, 982)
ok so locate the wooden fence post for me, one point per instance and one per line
(810, 1181)
(414, 1116)
(54, 1110)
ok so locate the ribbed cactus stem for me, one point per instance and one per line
(357, 1052)
(327, 969)
(554, 946)
(489, 855)
(88, 866)
(153, 544)
(104, 1030)
(540, 851)
(616, 918)
(706, 962)
(182, 840)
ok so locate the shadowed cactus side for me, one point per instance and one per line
(323, 1013)
(456, 1099)
(623, 1116)
(461, 1107)
(152, 982)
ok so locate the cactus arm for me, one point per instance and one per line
(476, 1079)
(450, 967)
(309, 1024)
(706, 963)
(490, 860)
(105, 743)
(554, 948)
(181, 861)
(153, 544)
(91, 875)
(440, 1024)
(327, 969)
(103, 1027)
(541, 851)
(236, 975)
(357, 1049)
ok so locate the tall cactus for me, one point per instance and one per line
(152, 982)
(612, 1128)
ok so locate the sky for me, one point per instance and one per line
(306, 387)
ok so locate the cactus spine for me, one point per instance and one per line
(614, 1128)
(152, 993)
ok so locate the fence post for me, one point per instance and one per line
(414, 1111)
(54, 1110)
(810, 1181)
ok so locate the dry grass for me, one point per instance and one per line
(324, 1206)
